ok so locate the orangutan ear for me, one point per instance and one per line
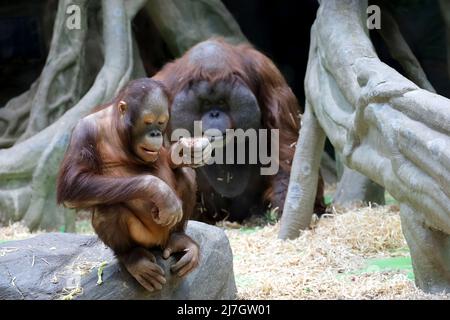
(122, 107)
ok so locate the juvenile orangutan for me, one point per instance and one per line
(116, 166)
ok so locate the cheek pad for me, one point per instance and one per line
(185, 110)
(244, 108)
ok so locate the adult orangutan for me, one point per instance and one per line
(235, 87)
(116, 166)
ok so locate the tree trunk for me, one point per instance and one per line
(183, 23)
(386, 128)
(299, 203)
(328, 169)
(357, 188)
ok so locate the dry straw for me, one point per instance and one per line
(322, 263)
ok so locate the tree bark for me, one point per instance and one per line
(299, 203)
(387, 129)
(65, 79)
(184, 23)
(328, 169)
(357, 188)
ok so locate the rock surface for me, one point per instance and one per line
(62, 265)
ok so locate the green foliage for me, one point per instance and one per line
(328, 199)
(100, 272)
(249, 229)
(271, 215)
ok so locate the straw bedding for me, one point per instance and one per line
(326, 262)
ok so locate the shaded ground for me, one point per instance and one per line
(352, 254)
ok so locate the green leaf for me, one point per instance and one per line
(100, 272)
(271, 215)
(328, 199)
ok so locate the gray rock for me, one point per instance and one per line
(53, 265)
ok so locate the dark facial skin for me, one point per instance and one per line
(147, 131)
(215, 115)
(221, 106)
